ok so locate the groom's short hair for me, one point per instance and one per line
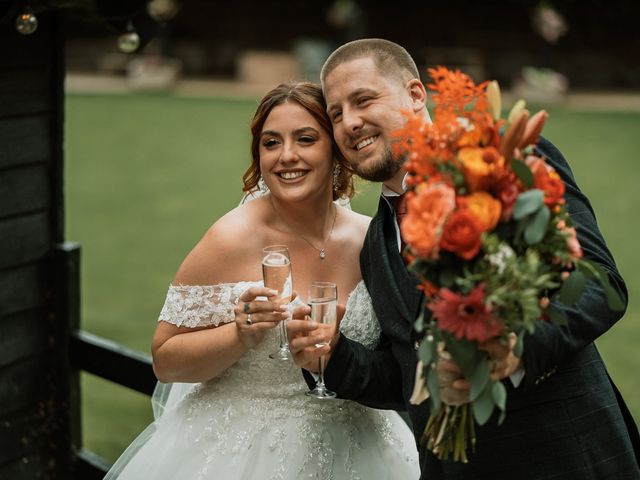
(391, 59)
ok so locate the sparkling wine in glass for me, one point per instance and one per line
(276, 274)
(323, 299)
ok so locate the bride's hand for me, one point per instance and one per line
(255, 317)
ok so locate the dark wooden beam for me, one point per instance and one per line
(112, 361)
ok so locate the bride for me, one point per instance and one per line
(240, 414)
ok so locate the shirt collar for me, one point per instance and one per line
(387, 192)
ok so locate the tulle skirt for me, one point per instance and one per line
(211, 433)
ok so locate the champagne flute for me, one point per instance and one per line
(323, 299)
(276, 274)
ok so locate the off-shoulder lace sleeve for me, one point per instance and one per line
(202, 305)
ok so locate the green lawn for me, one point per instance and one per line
(147, 174)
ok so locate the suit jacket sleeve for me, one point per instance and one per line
(370, 377)
(590, 317)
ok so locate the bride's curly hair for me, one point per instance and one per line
(308, 96)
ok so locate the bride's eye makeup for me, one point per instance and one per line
(269, 142)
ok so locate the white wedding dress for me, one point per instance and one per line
(254, 421)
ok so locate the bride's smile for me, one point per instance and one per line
(292, 174)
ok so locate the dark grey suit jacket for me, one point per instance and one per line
(565, 421)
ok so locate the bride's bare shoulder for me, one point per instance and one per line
(243, 220)
(221, 253)
(357, 221)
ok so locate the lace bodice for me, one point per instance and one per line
(255, 419)
(199, 306)
(254, 372)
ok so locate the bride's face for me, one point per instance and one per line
(295, 154)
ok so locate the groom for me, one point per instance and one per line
(565, 418)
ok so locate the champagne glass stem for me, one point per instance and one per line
(321, 371)
(284, 341)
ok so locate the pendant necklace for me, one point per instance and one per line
(322, 252)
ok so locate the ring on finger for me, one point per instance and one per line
(248, 321)
(246, 307)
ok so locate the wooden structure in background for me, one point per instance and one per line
(42, 349)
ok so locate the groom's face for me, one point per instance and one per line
(365, 107)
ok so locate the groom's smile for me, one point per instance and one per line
(365, 143)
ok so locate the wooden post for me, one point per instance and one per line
(35, 428)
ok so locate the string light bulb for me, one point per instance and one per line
(26, 22)
(129, 41)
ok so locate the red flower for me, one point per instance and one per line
(507, 192)
(465, 317)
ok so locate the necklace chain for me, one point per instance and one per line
(322, 251)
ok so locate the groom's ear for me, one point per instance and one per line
(418, 94)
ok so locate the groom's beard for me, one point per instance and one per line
(382, 170)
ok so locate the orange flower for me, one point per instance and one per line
(427, 212)
(462, 234)
(454, 91)
(485, 207)
(547, 179)
(470, 138)
(482, 167)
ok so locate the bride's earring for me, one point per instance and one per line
(263, 186)
(336, 177)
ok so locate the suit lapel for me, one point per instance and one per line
(400, 286)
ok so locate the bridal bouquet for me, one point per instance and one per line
(488, 234)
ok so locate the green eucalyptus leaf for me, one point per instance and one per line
(426, 352)
(418, 325)
(483, 405)
(527, 203)
(503, 415)
(447, 278)
(556, 315)
(572, 288)
(535, 231)
(603, 276)
(613, 299)
(434, 388)
(499, 393)
(523, 172)
(518, 349)
(479, 379)
(464, 354)
(588, 270)
(418, 266)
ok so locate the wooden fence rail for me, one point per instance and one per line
(92, 354)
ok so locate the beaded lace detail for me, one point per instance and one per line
(259, 403)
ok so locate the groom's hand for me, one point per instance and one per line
(305, 336)
(455, 389)
(504, 363)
